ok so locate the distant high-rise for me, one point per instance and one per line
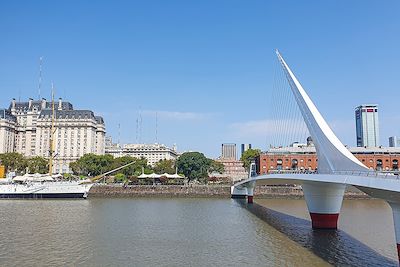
(228, 151)
(244, 147)
(367, 126)
(394, 141)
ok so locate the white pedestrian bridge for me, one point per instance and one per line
(337, 169)
(385, 185)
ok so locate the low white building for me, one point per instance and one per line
(152, 152)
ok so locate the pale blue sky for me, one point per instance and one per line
(206, 67)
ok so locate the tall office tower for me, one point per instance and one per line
(367, 126)
(228, 151)
(244, 147)
(394, 141)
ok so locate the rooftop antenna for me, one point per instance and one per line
(19, 95)
(137, 130)
(40, 76)
(156, 127)
(119, 135)
(140, 125)
(52, 131)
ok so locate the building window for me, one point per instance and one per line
(395, 164)
(279, 164)
(378, 164)
(294, 164)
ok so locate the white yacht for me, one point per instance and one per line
(40, 186)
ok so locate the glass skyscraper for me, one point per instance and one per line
(244, 147)
(394, 141)
(367, 126)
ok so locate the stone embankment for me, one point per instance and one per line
(218, 191)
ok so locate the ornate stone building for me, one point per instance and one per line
(7, 131)
(28, 124)
(152, 152)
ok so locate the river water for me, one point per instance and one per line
(190, 232)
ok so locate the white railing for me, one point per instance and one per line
(378, 174)
(293, 171)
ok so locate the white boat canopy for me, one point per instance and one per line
(154, 175)
(37, 177)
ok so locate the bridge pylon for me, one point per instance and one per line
(337, 168)
(396, 219)
(250, 192)
(324, 201)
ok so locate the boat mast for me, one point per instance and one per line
(51, 151)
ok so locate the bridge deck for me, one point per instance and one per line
(381, 186)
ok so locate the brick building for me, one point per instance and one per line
(233, 169)
(305, 158)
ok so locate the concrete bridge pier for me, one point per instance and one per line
(324, 201)
(396, 219)
(250, 192)
(238, 192)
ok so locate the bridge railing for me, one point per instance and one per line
(379, 174)
(292, 171)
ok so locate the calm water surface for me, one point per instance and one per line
(188, 232)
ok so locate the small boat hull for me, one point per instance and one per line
(44, 190)
(43, 195)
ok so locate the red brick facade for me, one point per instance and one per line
(308, 161)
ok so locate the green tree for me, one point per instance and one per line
(165, 166)
(194, 165)
(121, 161)
(120, 178)
(132, 170)
(38, 165)
(92, 165)
(67, 176)
(14, 162)
(248, 155)
(216, 166)
(142, 164)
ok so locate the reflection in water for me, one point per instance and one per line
(172, 232)
(142, 232)
(334, 246)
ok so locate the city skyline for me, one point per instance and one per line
(193, 65)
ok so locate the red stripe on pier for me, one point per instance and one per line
(324, 221)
